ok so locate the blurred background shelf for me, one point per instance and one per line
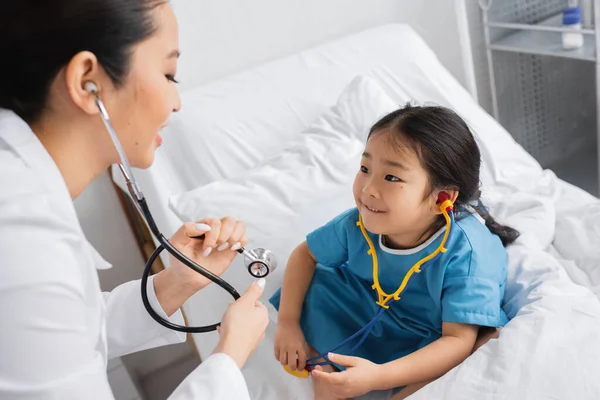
(544, 95)
(544, 38)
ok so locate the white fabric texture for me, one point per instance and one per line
(58, 328)
(548, 350)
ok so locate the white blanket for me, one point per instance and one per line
(551, 346)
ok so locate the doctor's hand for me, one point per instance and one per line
(243, 325)
(215, 252)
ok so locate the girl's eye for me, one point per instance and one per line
(364, 169)
(171, 78)
(392, 178)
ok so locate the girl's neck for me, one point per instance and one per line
(403, 243)
(410, 240)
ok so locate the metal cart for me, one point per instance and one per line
(545, 96)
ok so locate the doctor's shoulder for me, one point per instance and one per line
(27, 171)
(39, 238)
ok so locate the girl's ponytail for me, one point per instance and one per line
(506, 234)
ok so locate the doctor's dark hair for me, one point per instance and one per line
(448, 152)
(40, 37)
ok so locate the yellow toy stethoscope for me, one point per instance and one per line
(447, 209)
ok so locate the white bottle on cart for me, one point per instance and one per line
(572, 20)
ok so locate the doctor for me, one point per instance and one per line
(57, 328)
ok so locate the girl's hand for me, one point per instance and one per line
(359, 378)
(215, 251)
(290, 345)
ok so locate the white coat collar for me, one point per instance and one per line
(20, 138)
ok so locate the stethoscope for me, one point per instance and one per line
(384, 299)
(259, 262)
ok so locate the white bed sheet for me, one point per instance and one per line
(551, 347)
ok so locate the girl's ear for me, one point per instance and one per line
(440, 196)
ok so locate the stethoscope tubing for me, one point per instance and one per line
(142, 206)
(166, 245)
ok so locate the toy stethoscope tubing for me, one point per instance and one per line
(447, 209)
(264, 264)
(366, 330)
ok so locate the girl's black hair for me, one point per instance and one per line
(449, 154)
(39, 37)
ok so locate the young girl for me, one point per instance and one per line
(412, 155)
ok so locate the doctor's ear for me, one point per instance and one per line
(82, 76)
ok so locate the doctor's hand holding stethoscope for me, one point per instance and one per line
(245, 321)
(85, 85)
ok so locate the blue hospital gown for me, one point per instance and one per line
(464, 285)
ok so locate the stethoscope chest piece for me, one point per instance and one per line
(263, 264)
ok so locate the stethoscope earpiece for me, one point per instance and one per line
(90, 87)
(442, 197)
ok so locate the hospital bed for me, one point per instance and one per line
(277, 146)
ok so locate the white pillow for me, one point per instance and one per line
(230, 126)
(306, 184)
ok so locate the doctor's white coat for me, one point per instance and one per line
(57, 329)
